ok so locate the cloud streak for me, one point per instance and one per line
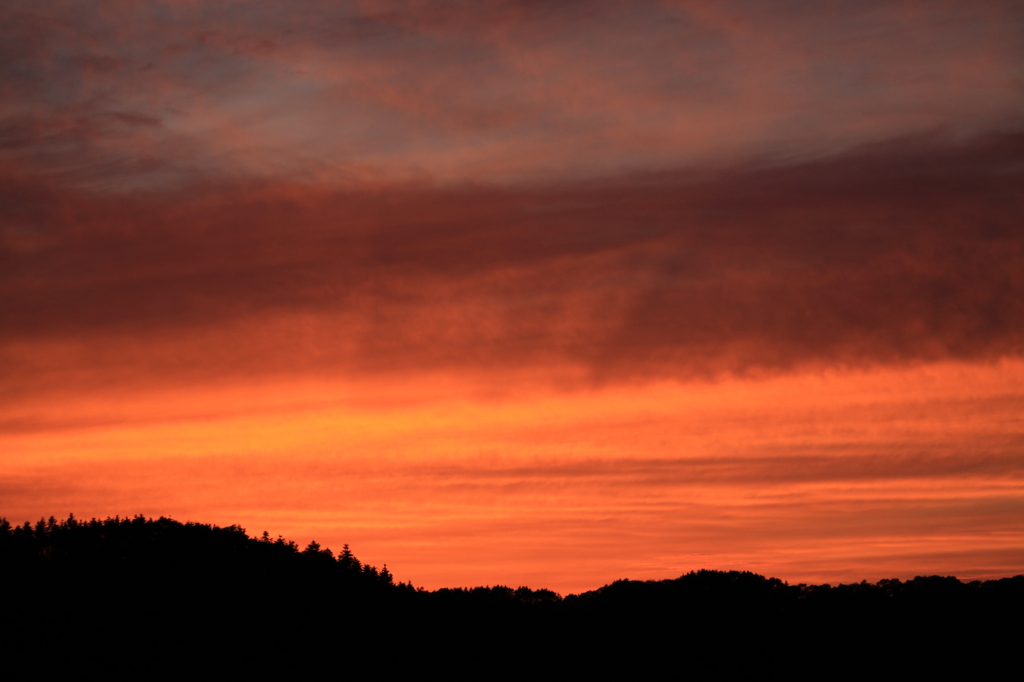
(145, 95)
(897, 253)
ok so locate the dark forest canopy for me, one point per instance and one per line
(188, 583)
(164, 543)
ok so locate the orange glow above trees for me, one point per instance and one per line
(817, 476)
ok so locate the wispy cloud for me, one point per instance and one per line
(900, 253)
(506, 90)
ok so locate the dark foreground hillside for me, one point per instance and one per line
(159, 598)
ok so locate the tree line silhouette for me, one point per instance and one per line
(167, 595)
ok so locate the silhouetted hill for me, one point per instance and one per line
(167, 597)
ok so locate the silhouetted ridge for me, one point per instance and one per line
(164, 596)
(124, 546)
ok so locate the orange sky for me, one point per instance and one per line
(523, 293)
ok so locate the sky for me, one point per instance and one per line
(521, 292)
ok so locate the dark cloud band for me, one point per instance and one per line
(896, 253)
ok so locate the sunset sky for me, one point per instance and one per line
(523, 292)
